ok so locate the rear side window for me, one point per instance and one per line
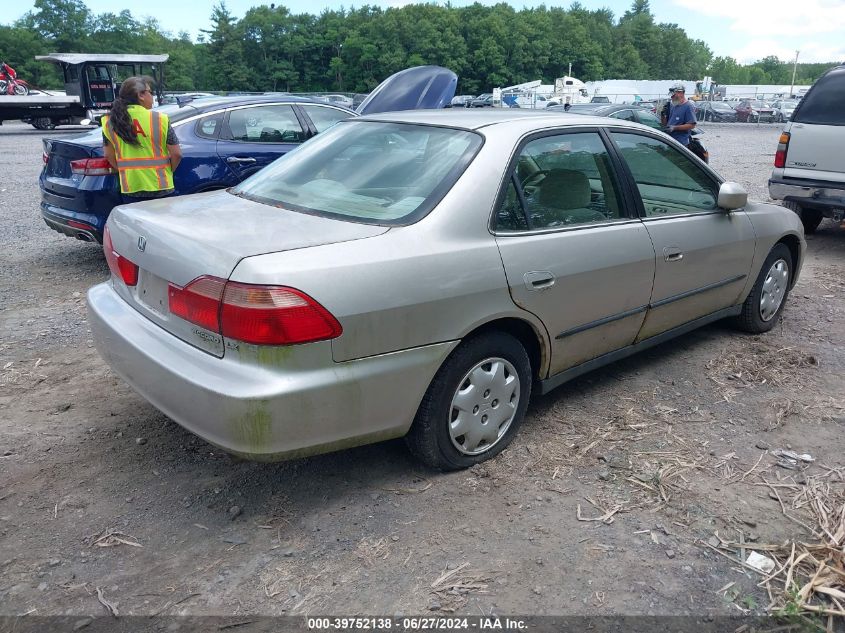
(823, 104)
(209, 127)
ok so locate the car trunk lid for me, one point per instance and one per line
(177, 240)
(58, 177)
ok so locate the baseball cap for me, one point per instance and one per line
(677, 88)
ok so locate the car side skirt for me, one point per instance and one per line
(552, 382)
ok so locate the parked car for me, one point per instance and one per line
(482, 101)
(783, 109)
(421, 274)
(600, 100)
(754, 111)
(718, 111)
(624, 112)
(340, 100)
(224, 140)
(461, 101)
(183, 97)
(809, 172)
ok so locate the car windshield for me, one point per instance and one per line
(718, 105)
(367, 171)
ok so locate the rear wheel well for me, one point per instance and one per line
(794, 247)
(521, 331)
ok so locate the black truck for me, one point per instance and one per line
(91, 85)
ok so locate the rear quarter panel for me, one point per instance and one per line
(201, 168)
(429, 282)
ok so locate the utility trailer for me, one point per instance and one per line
(92, 82)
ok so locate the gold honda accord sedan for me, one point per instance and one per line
(421, 274)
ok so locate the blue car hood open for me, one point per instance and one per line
(417, 88)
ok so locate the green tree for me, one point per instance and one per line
(65, 24)
(225, 67)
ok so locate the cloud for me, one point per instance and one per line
(780, 27)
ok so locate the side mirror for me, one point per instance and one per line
(732, 195)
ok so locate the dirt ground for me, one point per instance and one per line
(632, 490)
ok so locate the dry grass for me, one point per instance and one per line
(453, 586)
(830, 280)
(21, 374)
(760, 363)
(808, 577)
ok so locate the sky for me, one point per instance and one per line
(746, 30)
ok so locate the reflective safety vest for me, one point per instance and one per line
(146, 166)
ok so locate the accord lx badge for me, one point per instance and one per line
(142, 243)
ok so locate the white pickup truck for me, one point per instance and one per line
(809, 173)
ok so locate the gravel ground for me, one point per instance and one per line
(674, 444)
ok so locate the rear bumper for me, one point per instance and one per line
(83, 226)
(283, 403)
(814, 195)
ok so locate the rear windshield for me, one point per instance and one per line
(367, 171)
(824, 103)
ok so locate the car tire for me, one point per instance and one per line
(43, 123)
(763, 305)
(485, 380)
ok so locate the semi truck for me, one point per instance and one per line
(569, 90)
(91, 83)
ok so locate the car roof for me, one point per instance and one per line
(208, 104)
(475, 119)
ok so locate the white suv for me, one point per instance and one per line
(809, 173)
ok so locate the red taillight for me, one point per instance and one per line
(91, 167)
(118, 264)
(275, 315)
(783, 146)
(45, 157)
(198, 302)
(261, 315)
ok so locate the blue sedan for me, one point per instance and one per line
(224, 140)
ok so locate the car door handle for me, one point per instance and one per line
(672, 254)
(539, 279)
(239, 159)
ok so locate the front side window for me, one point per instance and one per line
(266, 124)
(323, 118)
(565, 180)
(668, 181)
(367, 171)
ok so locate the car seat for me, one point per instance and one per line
(563, 197)
(270, 135)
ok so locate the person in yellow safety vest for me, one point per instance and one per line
(140, 143)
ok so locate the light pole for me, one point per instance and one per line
(794, 68)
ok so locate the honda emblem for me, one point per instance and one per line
(142, 243)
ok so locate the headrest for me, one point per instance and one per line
(565, 189)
